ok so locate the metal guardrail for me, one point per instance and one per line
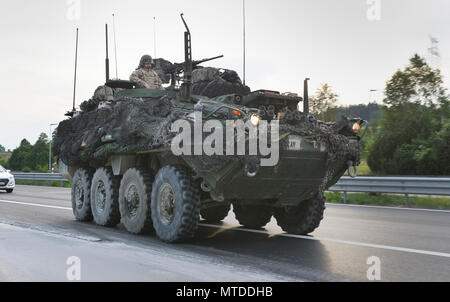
(40, 177)
(394, 185)
(390, 185)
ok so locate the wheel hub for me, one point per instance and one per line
(79, 195)
(132, 200)
(166, 204)
(100, 196)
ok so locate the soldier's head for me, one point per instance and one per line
(146, 62)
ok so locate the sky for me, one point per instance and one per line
(353, 45)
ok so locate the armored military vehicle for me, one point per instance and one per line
(118, 152)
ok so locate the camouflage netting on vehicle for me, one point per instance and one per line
(139, 125)
(127, 127)
(213, 82)
(340, 150)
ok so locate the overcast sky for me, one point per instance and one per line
(349, 44)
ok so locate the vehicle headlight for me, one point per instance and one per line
(255, 119)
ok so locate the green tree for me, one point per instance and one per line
(17, 159)
(29, 157)
(2, 149)
(38, 159)
(415, 110)
(324, 103)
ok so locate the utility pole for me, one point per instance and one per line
(433, 53)
(370, 95)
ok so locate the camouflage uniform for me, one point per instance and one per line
(143, 76)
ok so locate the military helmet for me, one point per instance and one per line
(146, 59)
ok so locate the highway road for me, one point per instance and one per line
(38, 234)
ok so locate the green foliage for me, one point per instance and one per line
(30, 158)
(2, 149)
(19, 156)
(413, 132)
(4, 157)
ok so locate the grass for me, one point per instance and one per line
(423, 202)
(364, 169)
(43, 183)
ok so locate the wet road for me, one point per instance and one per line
(38, 234)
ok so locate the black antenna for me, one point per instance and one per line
(306, 97)
(243, 4)
(107, 55)
(115, 45)
(187, 81)
(154, 37)
(75, 77)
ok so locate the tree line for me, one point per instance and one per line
(409, 134)
(28, 157)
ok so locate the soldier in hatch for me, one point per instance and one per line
(144, 76)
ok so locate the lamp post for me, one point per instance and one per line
(370, 94)
(50, 149)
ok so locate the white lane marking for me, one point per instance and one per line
(361, 244)
(389, 208)
(354, 243)
(35, 205)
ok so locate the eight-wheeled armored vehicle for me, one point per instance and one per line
(118, 152)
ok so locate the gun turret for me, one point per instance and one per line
(179, 67)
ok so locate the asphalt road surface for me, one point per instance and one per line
(38, 235)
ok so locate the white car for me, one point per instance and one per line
(7, 181)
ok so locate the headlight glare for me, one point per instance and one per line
(255, 119)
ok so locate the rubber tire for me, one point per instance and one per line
(303, 219)
(110, 217)
(252, 216)
(187, 204)
(215, 214)
(9, 191)
(143, 180)
(84, 214)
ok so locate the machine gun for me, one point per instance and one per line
(187, 67)
(179, 67)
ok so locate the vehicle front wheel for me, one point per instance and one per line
(175, 204)
(104, 198)
(81, 197)
(9, 191)
(303, 219)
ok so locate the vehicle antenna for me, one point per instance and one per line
(115, 45)
(243, 5)
(154, 37)
(306, 97)
(107, 55)
(75, 76)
